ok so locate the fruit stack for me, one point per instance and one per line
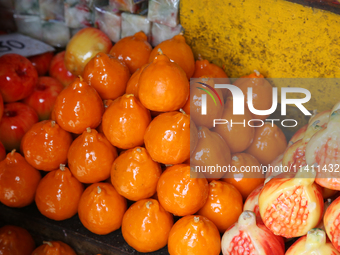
(116, 134)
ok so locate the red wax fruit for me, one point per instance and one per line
(44, 95)
(2, 152)
(249, 236)
(1, 106)
(58, 69)
(17, 77)
(42, 62)
(16, 121)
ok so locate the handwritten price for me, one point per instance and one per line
(22, 45)
(8, 45)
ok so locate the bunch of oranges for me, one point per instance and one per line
(130, 128)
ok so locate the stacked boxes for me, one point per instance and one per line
(56, 21)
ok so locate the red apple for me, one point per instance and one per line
(83, 46)
(1, 106)
(17, 77)
(58, 69)
(16, 121)
(42, 62)
(43, 97)
(2, 152)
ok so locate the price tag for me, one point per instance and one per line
(22, 45)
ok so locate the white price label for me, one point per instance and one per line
(22, 45)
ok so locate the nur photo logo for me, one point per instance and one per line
(204, 97)
(240, 101)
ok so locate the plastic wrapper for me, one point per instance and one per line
(72, 2)
(132, 6)
(73, 31)
(51, 9)
(108, 20)
(27, 7)
(164, 12)
(55, 33)
(160, 33)
(29, 25)
(133, 23)
(77, 16)
(89, 3)
(98, 3)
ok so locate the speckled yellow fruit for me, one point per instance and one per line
(280, 39)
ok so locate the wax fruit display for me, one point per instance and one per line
(124, 116)
(204, 68)
(43, 96)
(18, 181)
(186, 107)
(132, 84)
(179, 52)
(17, 77)
(83, 46)
(290, 207)
(15, 241)
(194, 235)
(134, 51)
(118, 141)
(269, 142)
(163, 85)
(78, 106)
(58, 194)
(227, 199)
(252, 202)
(315, 242)
(54, 247)
(249, 236)
(1, 106)
(238, 137)
(322, 117)
(167, 138)
(210, 150)
(179, 193)
(58, 69)
(261, 92)
(294, 157)
(298, 135)
(101, 208)
(42, 62)
(17, 119)
(328, 193)
(107, 74)
(91, 156)
(248, 181)
(331, 222)
(214, 103)
(45, 145)
(277, 162)
(2, 152)
(193, 136)
(135, 175)
(146, 225)
(323, 149)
